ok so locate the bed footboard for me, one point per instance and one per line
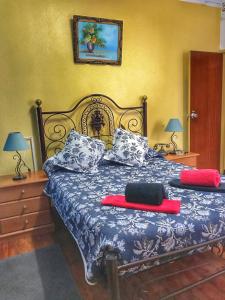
(113, 269)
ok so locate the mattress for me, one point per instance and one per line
(132, 234)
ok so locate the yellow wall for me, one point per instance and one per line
(36, 59)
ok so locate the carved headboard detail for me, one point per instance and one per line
(95, 115)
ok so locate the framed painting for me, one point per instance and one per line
(97, 41)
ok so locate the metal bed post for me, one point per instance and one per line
(111, 265)
(41, 129)
(145, 125)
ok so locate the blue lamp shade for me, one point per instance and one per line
(174, 125)
(15, 142)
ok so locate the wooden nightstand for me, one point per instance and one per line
(188, 159)
(23, 206)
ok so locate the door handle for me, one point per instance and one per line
(193, 115)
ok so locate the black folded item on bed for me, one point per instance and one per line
(148, 193)
(176, 183)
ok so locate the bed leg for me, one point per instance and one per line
(112, 276)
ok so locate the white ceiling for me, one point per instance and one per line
(216, 3)
(220, 4)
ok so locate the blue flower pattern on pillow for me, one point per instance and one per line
(80, 153)
(128, 148)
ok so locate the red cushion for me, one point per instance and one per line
(167, 206)
(204, 177)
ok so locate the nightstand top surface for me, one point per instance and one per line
(177, 156)
(7, 180)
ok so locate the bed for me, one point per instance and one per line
(117, 242)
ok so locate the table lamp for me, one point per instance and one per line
(16, 142)
(174, 125)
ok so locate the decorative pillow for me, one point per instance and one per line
(49, 166)
(80, 153)
(128, 148)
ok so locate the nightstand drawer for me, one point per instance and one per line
(24, 222)
(21, 192)
(21, 207)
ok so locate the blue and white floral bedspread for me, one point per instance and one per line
(133, 234)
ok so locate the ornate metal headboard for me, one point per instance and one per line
(95, 115)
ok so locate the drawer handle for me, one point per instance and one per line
(24, 207)
(23, 192)
(26, 222)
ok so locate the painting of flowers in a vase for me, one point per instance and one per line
(97, 41)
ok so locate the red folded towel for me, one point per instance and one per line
(167, 206)
(204, 177)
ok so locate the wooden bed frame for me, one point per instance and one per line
(98, 115)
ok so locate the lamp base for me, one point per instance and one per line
(172, 152)
(19, 177)
(176, 152)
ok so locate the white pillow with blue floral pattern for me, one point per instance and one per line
(80, 153)
(128, 148)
